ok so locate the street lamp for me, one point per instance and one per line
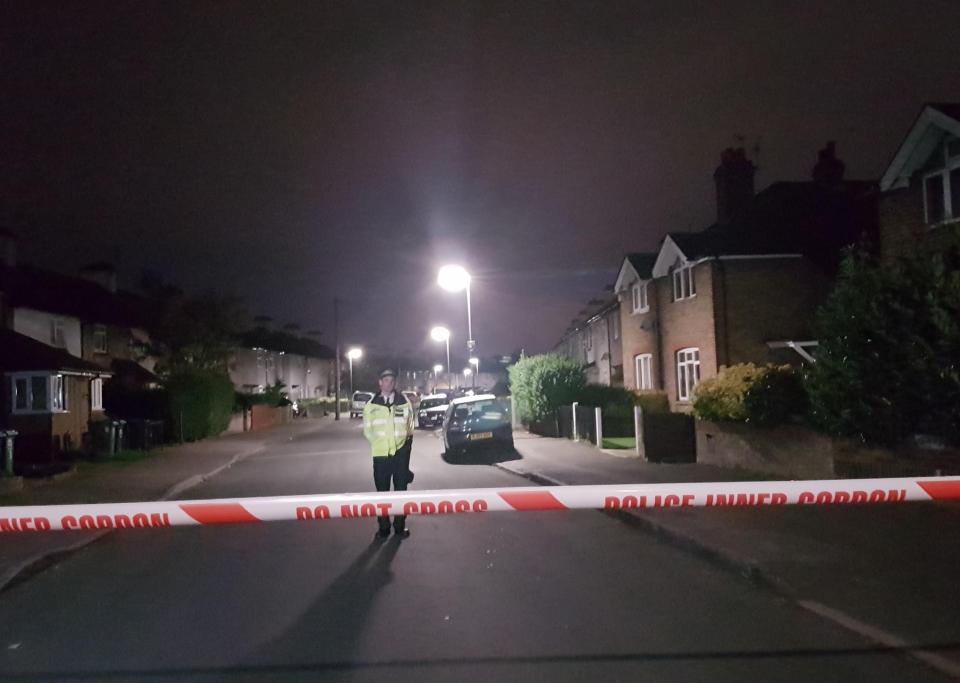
(437, 369)
(353, 354)
(467, 372)
(454, 279)
(442, 334)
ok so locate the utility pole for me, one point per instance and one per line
(336, 333)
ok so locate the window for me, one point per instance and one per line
(57, 337)
(96, 394)
(684, 286)
(941, 187)
(688, 372)
(644, 366)
(639, 297)
(99, 339)
(58, 393)
(36, 393)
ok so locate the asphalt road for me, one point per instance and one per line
(546, 596)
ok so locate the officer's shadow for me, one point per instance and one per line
(328, 632)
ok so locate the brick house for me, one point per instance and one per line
(63, 337)
(593, 339)
(746, 288)
(920, 189)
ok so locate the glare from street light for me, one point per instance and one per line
(453, 278)
(474, 361)
(438, 368)
(467, 372)
(354, 353)
(440, 333)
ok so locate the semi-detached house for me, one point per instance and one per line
(745, 289)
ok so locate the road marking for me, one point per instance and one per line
(878, 635)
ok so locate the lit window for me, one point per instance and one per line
(58, 393)
(99, 339)
(639, 297)
(684, 285)
(688, 372)
(644, 367)
(96, 394)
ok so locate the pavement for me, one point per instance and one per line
(532, 596)
(169, 473)
(888, 572)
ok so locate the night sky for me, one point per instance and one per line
(288, 152)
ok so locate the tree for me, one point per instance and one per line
(888, 363)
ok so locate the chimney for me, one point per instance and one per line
(734, 181)
(828, 170)
(8, 248)
(104, 274)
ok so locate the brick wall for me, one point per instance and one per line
(684, 324)
(638, 335)
(901, 221)
(760, 300)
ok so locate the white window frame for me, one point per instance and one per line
(639, 297)
(643, 367)
(58, 334)
(688, 372)
(950, 213)
(684, 283)
(56, 384)
(99, 339)
(96, 393)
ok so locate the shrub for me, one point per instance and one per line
(541, 384)
(199, 403)
(745, 392)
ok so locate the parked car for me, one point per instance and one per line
(357, 401)
(476, 420)
(432, 409)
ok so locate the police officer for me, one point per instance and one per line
(388, 424)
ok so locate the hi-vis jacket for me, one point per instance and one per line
(388, 428)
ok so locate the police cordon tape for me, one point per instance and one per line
(456, 501)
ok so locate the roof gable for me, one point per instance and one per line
(638, 266)
(669, 254)
(922, 138)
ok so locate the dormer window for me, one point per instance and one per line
(941, 186)
(684, 285)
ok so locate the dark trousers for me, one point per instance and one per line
(397, 469)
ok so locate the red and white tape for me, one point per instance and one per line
(454, 501)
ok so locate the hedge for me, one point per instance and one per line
(199, 403)
(541, 384)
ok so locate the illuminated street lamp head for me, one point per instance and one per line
(438, 368)
(474, 361)
(440, 334)
(467, 372)
(453, 278)
(354, 353)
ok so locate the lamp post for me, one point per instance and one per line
(442, 334)
(353, 354)
(437, 369)
(475, 364)
(453, 279)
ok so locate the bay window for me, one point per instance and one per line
(38, 393)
